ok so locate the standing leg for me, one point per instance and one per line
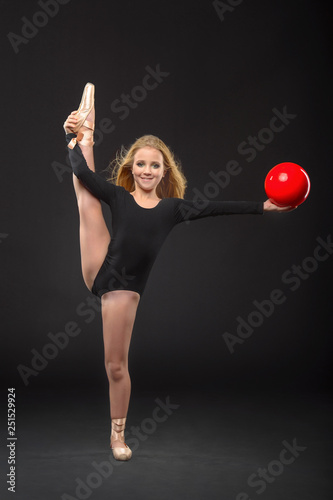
(118, 315)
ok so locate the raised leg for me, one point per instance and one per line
(94, 234)
(118, 315)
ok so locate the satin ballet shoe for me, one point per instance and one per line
(117, 433)
(84, 128)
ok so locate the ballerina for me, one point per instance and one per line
(146, 199)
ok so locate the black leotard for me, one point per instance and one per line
(137, 232)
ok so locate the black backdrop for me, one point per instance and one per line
(223, 76)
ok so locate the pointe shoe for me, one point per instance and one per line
(84, 128)
(118, 427)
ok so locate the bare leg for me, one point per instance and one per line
(118, 314)
(94, 234)
(118, 307)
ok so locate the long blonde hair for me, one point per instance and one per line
(172, 185)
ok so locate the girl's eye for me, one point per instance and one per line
(139, 164)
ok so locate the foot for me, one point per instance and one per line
(116, 443)
(82, 121)
(85, 135)
(119, 449)
(122, 452)
(90, 118)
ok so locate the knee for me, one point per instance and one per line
(115, 370)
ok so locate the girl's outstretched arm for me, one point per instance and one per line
(186, 210)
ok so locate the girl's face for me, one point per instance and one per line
(148, 168)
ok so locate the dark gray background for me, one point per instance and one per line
(225, 78)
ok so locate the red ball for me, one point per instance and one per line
(287, 184)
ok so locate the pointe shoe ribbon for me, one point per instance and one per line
(75, 140)
(119, 452)
(84, 128)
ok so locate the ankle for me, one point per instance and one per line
(118, 429)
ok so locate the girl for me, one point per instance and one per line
(146, 202)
